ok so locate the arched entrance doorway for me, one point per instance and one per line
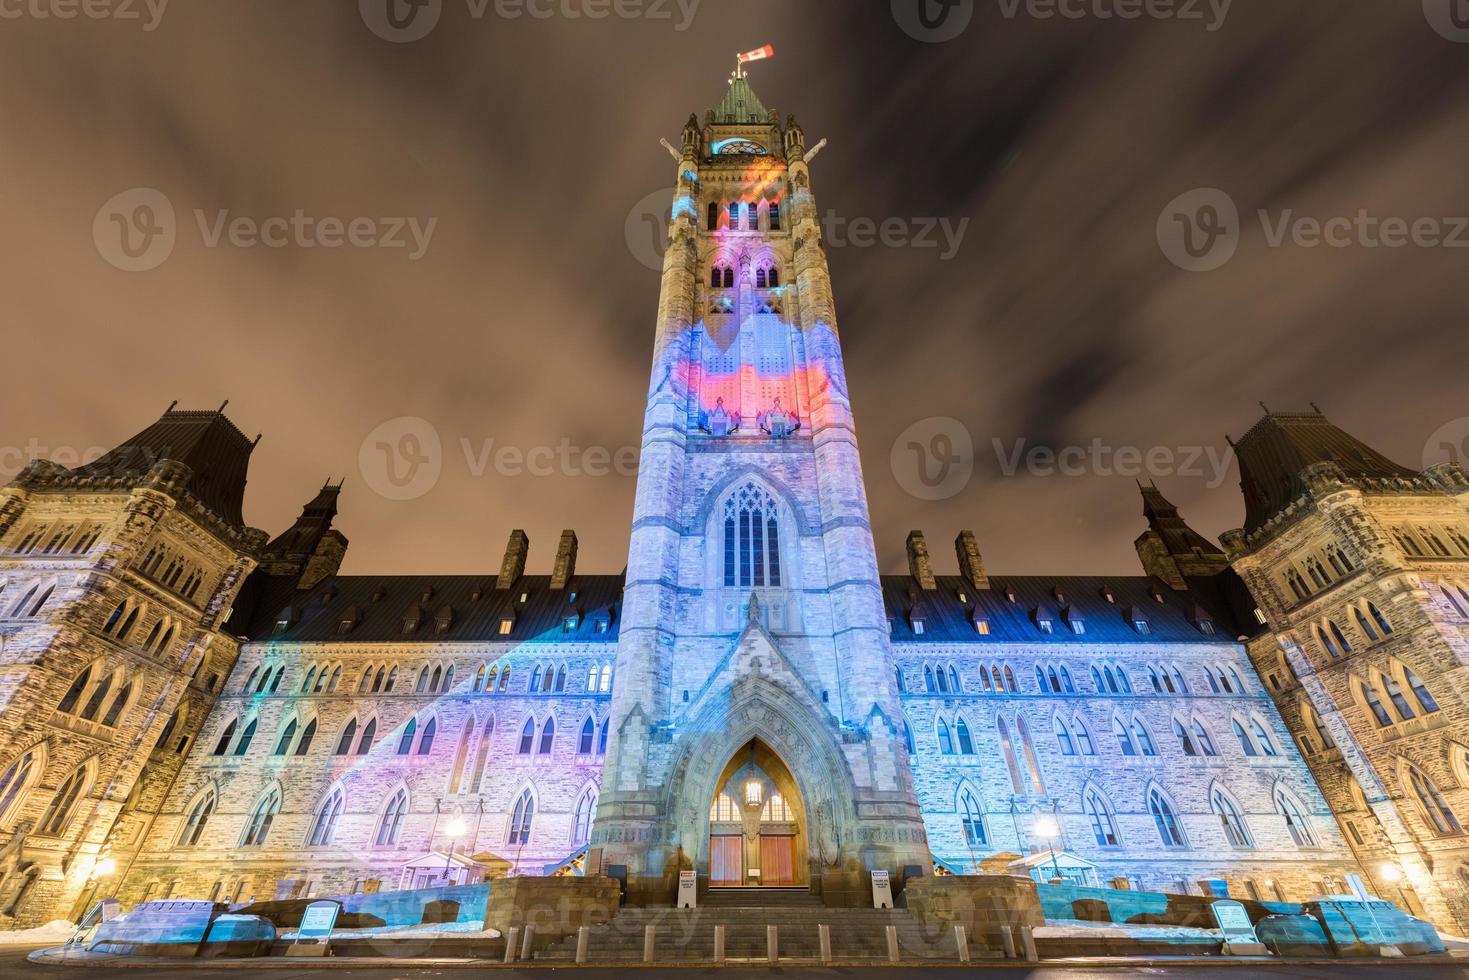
(756, 823)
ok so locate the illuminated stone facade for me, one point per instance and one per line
(751, 700)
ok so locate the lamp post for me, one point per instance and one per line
(453, 830)
(1047, 830)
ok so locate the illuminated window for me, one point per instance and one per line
(1104, 827)
(521, 819)
(724, 810)
(198, 818)
(972, 819)
(751, 539)
(1230, 819)
(324, 823)
(776, 810)
(257, 827)
(390, 827)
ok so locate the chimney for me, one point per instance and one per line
(919, 564)
(565, 561)
(971, 562)
(516, 551)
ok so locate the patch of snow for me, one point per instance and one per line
(461, 930)
(1076, 929)
(55, 931)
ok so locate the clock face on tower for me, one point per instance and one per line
(734, 147)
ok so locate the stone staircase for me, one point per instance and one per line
(687, 935)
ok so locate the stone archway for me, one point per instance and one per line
(793, 742)
(757, 823)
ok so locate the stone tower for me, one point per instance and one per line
(1361, 569)
(115, 580)
(753, 633)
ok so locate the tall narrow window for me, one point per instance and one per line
(1415, 684)
(1165, 818)
(527, 737)
(198, 817)
(972, 818)
(1011, 761)
(324, 824)
(588, 733)
(1295, 820)
(426, 740)
(1104, 828)
(1374, 703)
(1032, 763)
(521, 819)
(752, 539)
(586, 807)
(946, 741)
(223, 745)
(405, 741)
(14, 780)
(58, 814)
(1202, 739)
(283, 746)
(246, 737)
(344, 744)
(390, 827)
(257, 827)
(1124, 740)
(1063, 737)
(1245, 742)
(1230, 819)
(369, 735)
(1435, 808)
(548, 737)
(74, 693)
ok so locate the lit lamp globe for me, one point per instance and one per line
(1391, 873)
(455, 829)
(105, 868)
(1046, 828)
(754, 793)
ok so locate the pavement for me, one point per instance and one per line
(14, 966)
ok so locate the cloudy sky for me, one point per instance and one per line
(525, 145)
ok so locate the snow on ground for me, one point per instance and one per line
(55, 931)
(458, 930)
(1076, 929)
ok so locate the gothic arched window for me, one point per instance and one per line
(257, 828)
(198, 817)
(582, 830)
(324, 825)
(751, 539)
(1165, 818)
(391, 824)
(973, 819)
(521, 819)
(1230, 819)
(1295, 820)
(1104, 828)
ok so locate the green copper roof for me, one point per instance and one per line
(741, 104)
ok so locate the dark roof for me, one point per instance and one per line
(1178, 537)
(382, 602)
(947, 619)
(741, 105)
(217, 453)
(1281, 445)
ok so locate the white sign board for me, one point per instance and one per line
(688, 890)
(882, 890)
(1239, 931)
(313, 936)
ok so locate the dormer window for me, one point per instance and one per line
(570, 623)
(285, 619)
(378, 594)
(477, 594)
(1045, 620)
(412, 619)
(524, 598)
(507, 623)
(1109, 595)
(1059, 594)
(982, 625)
(443, 620)
(349, 620)
(1075, 620)
(1010, 594)
(964, 598)
(1203, 620)
(1260, 616)
(1139, 620)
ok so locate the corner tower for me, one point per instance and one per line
(753, 625)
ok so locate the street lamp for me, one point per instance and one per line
(454, 830)
(1048, 830)
(1393, 875)
(104, 868)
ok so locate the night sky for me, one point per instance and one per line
(1057, 319)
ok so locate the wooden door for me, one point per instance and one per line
(777, 859)
(727, 859)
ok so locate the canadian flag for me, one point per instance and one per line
(759, 54)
